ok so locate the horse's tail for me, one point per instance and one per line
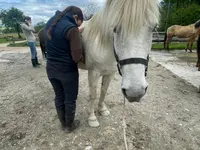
(42, 44)
(43, 50)
(198, 46)
(165, 38)
(198, 52)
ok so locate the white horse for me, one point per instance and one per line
(121, 32)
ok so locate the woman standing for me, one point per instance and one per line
(28, 30)
(64, 50)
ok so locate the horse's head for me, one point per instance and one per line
(134, 22)
(132, 56)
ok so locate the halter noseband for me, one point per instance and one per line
(129, 60)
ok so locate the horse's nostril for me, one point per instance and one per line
(146, 89)
(124, 91)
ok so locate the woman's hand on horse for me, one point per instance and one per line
(81, 29)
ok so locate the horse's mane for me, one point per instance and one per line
(126, 15)
(197, 24)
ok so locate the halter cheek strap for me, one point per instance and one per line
(128, 61)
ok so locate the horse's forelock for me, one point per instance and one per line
(128, 15)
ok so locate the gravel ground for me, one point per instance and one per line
(166, 119)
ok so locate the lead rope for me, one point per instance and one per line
(124, 125)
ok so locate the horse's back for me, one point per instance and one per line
(181, 31)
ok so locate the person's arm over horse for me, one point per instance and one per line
(76, 46)
(28, 28)
(81, 28)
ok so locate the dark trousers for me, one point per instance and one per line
(65, 87)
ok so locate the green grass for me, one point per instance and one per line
(15, 35)
(22, 44)
(3, 37)
(172, 46)
(2, 40)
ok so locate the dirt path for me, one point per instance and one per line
(180, 63)
(166, 119)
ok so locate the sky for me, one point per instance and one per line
(42, 10)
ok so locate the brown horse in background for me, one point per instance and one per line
(197, 25)
(179, 31)
(198, 53)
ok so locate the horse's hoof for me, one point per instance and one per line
(93, 123)
(199, 69)
(104, 112)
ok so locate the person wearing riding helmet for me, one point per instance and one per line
(28, 30)
(64, 50)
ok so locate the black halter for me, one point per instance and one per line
(130, 60)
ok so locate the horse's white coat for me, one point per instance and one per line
(134, 21)
(133, 79)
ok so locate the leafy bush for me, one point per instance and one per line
(179, 15)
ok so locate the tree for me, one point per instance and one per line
(39, 26)
(10, 19)
(181, 12)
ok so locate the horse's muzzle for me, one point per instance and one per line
(134, 99)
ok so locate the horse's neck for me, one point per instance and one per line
(96, 52)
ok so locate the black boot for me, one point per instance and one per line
(61, 116)
(71, 124)
(36, 61)
(33, 62)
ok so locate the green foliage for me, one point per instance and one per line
(9, 30)
(39, 26)
(10, 18)
(181, 12)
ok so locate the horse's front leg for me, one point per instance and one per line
(198, 63)
(104, 87)
(167, 43)
(186, 48)
(191, 47)
(93, 77)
